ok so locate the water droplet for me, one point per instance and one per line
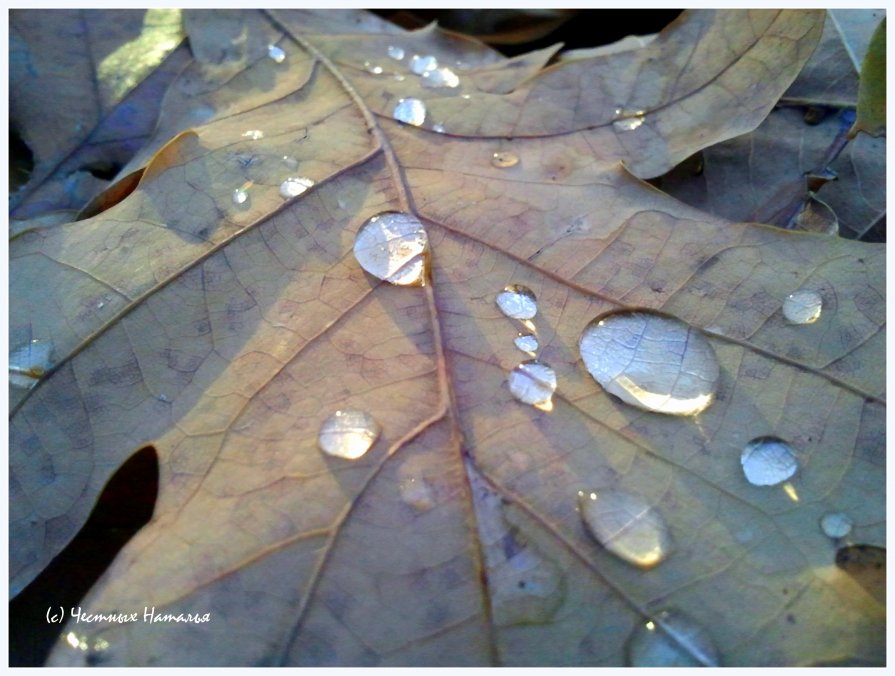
(517, 302)
(394, 247)
(398, 77)
(241, 195)
(768, 461)
(651, 361)
(627, 525)
(533, 382)
(672, 639)
(628, 121)
(410, 111)
(416, 492)
(504, 160)
(803, 306)
(440, 77)
(465, 96)
(348, 434)
(527, 343)
(376, 70)
(421, 64)
(28, 363)
(835, 525)
(276, 54)
(397, 53)
(75, 641)
(290, 162)
(294, 186)
(438, 128)
(254, 134)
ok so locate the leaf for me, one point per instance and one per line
(872, 91)
(230, 330)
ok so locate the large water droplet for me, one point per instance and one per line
(527, 343)
(276, 54)
(410, 111)
(672, 639)
(517, 302)
(768, 461)
(440, 77)
(628, 121)
(626, 525)
(348, 434)
(835, 525)
(397, 53)
(394, 247)
(803, 306)
(422, 64)
(28, 363)
(533, 382)
(254, 134)
(504, 160)
(295, 186)
(651, 361)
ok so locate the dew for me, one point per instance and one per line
(803, 306)
(504, 160)
(517, 302)
(241, 194)
(294, 186)
(76, 642)
(396, 53)
(422, 64)
(628, 121)
(835, 525)
(398, 77)
(290, 162)
(651, 361)
(671, 639)
(276, 54)
(28, 363)
(254, 134)
(438, 128)
(465, 96)
(533, 382)
(393, 246)
(527, 343)
(410, 111)
(348, 434)
(440, 77)
(768, 461)
(376, 70)
(627, 525)
(416, 492)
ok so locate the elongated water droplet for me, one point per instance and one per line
(440, 77)
(628, 121)
(410, 111)
(421, 64)
(517, 302)
(78, 642)
(672, 639)
(28, 363)
(397, 53)
(376, 70)
(768, 461)
(394, 247)
(504, 160)
(254, 134)
(294, 186)
(651, 361)
(533, 382)
(835, 525)
(290, 162)
(803, 306)
(527, 343)
(348, 434)
(626, 525)
(438, 128)
(276, 54)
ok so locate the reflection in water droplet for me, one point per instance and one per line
(533, 382)
(835, 525)
(75, 641)
(294, 186)
(397, 53)
(376, 70)
(626, 525)
(410, 111)
(651, 361)
(628, 121)
(28, 363)
(241, 194)
(768, 461)
(527, 343)
(348, 434)
(254, 134)
(290, 162)
(504, 160)
(276, 53)
(673, 639)
(517, 302)
(421, 64)
(439, 128)
(394, 247)
(440, 77)
(416, 492)
(803, 306)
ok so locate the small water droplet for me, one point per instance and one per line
(628, 121)
(651, 361)
(294, 186)
(75, 641)
(410, 111)
(835, 525)
(440, 77)
(504, 160)
(290, 162)
(397, 53)
(348, 434)
(517, 302)
(627, 525)
(465, 96)
(768, 461)
(527, 343)
(254, 134)
(276, 54)
(438, 128)
(803, 306)
(416, 492)
(421, 64)
(394, 247)
(376, 70)
(398, 77)
(29, 363)
(241, 195)
(673, 639)
(533, 382)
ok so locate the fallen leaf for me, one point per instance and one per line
(234, 321)
(872, 90)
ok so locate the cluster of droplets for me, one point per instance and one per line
(432, 75)
(291, 186)
(626, 120)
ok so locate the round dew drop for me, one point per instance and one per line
(396, 53)
(835, 525)
(504, 160)
(672, 639)
(768, 461)
(410, 111)
(527, 343)
(393, 246)
(240, 196)
(422, 64)
(517, 302)
(803, 307)
(295, 186)
(533, 382)
(348, 434)
(276, 54)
